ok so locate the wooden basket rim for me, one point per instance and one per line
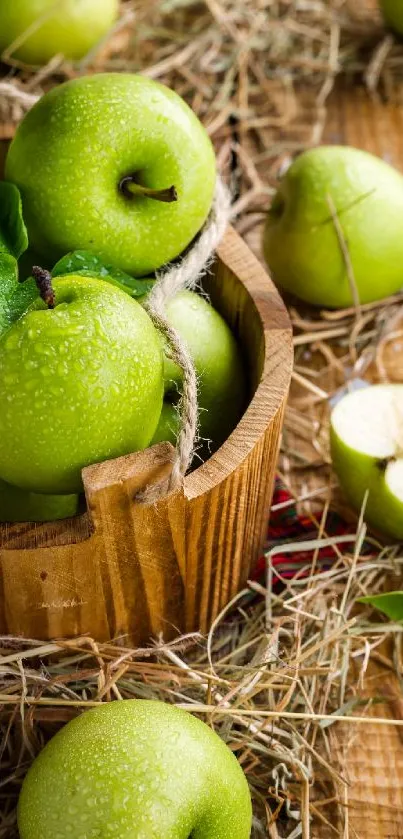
(273, 387)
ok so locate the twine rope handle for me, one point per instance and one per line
(175, 278)
(185, 275)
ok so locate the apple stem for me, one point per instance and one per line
(43, 281)
(383, 463)
(130, 188)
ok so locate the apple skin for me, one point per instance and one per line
(168, 425)
(135, 769)
(78, 384)
(72, 150)
(392, 11)
(17, 505)
(358, 472)
(300, 241)
(70, 27)
(220, 370)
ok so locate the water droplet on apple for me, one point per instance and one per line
(42, 348)
(12, 342)
(10, 379)
(62, 369)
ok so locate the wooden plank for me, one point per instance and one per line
(371, 756)
(357, 119)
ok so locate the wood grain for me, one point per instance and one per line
(126, 570)
(372, 756)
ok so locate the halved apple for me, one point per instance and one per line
(366, 434)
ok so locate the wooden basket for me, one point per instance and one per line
(126, 570)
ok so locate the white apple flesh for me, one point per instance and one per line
(366, 433)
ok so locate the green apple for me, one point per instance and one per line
(168, 425)
(367, 453)
(135, 769)
(79, 383)
(36, 30)
(219, 367)
(392, 11)
(113, 163)
(18, 505)
(301, 244)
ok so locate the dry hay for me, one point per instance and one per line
(272, 679)
(289, 658)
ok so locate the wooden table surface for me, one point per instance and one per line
(371, 755)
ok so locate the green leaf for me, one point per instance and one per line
(88, 264)
(391, 604)
(15, 297)
(13, 233)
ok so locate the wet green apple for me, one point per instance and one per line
(301, 242)
(36, 30)
(219, 366)
(169, 423)
(392, 11)
(79, 383)
(367, 453)
(135, 769)
(116, 164)
(18, 505)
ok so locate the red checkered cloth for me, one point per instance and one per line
(286, 526)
